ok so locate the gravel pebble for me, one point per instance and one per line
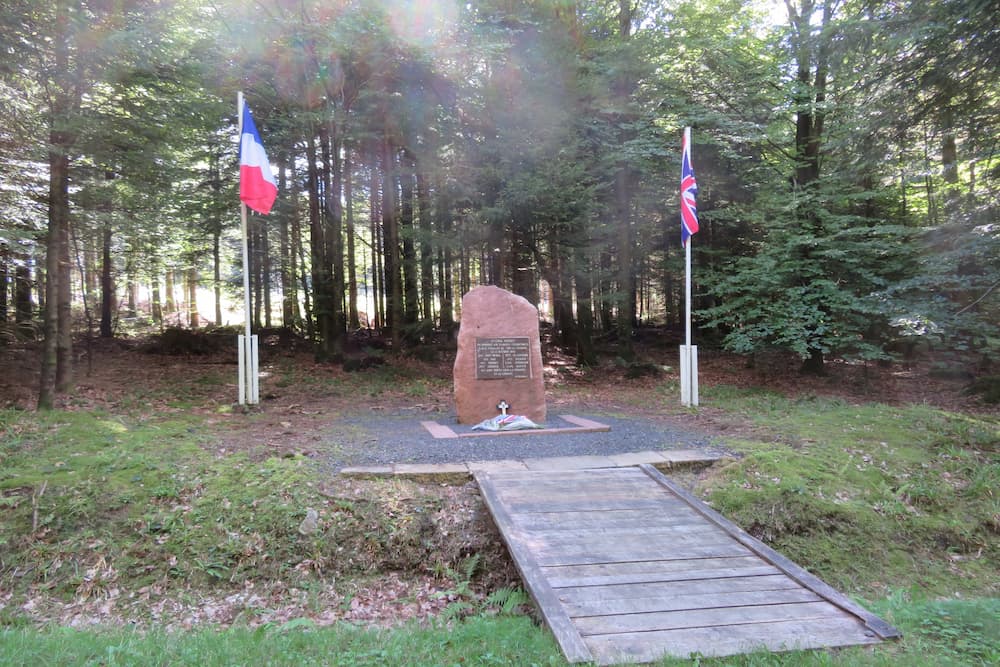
(382, 438)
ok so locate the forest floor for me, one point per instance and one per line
(401, 550)
(301, 396)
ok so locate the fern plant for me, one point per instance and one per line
(506, 601)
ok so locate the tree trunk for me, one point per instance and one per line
(22, 292)
(91, 274)
(64, 345)
(464, 272)
(812, 48)
(521, 259)
(585, 355)
(4, 281)
(216, 274)
(299, 252)
(255, 255)
(669, 306)
(154, 288)
(626, 271)
(60, 141)
(814, 364)
(352, 277)
(426, 248)
(192, 289)
(377, 287)
(445, 291)
(287, 273)
(58, 213)
(50, 323)
(130, 286)
(411, 299)
(330, 304)
(171, 303)
(265, 270)
(391, 252)
(322, 308)
(624, 86)
(107, 285)
(335, 237)
(562, 305)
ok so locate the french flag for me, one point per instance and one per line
(257, 187)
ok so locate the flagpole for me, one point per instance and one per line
(247, 360)
(689, 352)
(687, 292)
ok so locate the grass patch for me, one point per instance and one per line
(937, 633)
(868, 496)
(93, 504)
(898, 505)
(498, 641)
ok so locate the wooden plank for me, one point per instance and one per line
(799, 574)
(665, 566)
(659, 566)
(578, 485)
(591, 505)
(665, 536)
(689, 602)
(727, 640)
(669, 589)
(552, 611)
(568, 495)
(583, 554)
(698, 618)
(574, 475)
(649, 577)
(643, 569)
(637, 519)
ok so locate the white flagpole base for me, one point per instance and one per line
(242, 357)
(254, 383)
(249, 370)
(689, 375)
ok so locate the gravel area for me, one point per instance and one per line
(382, 437)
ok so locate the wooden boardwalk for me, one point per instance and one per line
(627, 567)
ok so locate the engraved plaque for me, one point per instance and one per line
(500, 358)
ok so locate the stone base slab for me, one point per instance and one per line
(582, 426)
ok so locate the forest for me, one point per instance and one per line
(846, 154)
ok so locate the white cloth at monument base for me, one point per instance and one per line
(505, 423)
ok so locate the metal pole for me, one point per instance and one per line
(248, 362)
(689, 353)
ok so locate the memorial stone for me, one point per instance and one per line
(499, 357)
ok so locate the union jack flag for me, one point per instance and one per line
(689, 191)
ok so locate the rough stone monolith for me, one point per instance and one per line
(499, 357)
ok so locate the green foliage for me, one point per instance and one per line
(988, 387)
(507, 601)
(953, 300)
(816, 283)
(956, 632)
(869, 495)
(478, 641)
(90, 499)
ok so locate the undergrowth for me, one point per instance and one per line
(93, 503)
(869, 495)
(896, 505)
(480, 641)
(937, 634)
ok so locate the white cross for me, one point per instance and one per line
(502, 407)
